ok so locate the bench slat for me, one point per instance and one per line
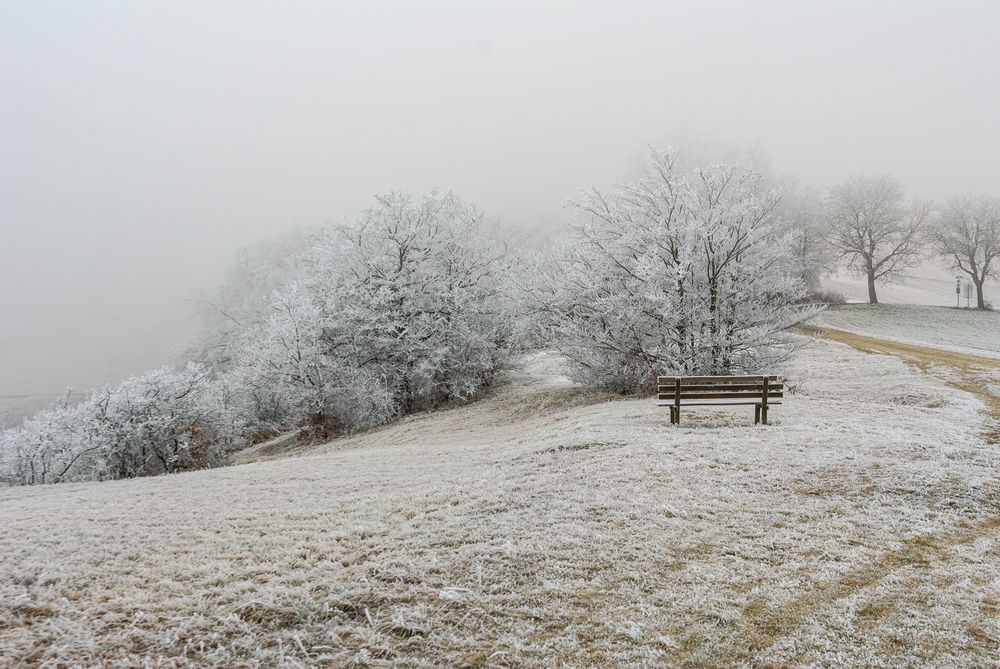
(718, 404)
(719, 396)
(696, 380)
(722, 386)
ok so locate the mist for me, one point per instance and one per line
(142, 144)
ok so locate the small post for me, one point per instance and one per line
(677, 399)
(763, 401)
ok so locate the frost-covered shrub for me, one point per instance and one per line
(403, 310)
(673, 273)
(825, 297)
(288, 377)
(406, 309)
(159, 422)
(57, 444)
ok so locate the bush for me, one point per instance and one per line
(159, 422)
(824, 297)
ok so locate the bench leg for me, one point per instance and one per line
(756, 414)
(674, 419)
(763, 415)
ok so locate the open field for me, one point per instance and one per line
(928, 284)
(962, 330)
(543, 526)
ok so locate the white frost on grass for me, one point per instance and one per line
(543, 527)
(929, 283)
(962, 330)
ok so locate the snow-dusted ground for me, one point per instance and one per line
(963, 330)
(930, 283)
(543, 527)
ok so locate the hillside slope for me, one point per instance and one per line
(929, 284)
(962, 330)
(542, 526)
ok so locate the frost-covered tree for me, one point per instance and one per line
(414, 294)
(871, 226)
(287, 377)
(673, 273)
(243, 301)
(966, 233)
(402, 310)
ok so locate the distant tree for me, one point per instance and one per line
(801, 215)
(871, 226)
(243, 301)
(967, 233)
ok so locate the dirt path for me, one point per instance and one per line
(973, 374)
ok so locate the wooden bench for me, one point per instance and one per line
(675, 391)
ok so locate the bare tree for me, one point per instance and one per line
(870, 225)
(967, 233)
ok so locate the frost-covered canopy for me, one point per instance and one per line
(673, 273)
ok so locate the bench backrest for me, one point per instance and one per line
(744, 388)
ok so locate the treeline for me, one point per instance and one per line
(406, 309)
(419, 303)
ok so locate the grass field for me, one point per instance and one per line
(544, 526)
(962, 330)
(931, 283)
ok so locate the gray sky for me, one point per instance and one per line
(141, 143)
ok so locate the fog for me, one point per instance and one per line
(141, 144)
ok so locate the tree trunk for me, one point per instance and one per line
(872, 297)
(713, 324)
(980, 300)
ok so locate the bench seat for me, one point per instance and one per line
(685, 403)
